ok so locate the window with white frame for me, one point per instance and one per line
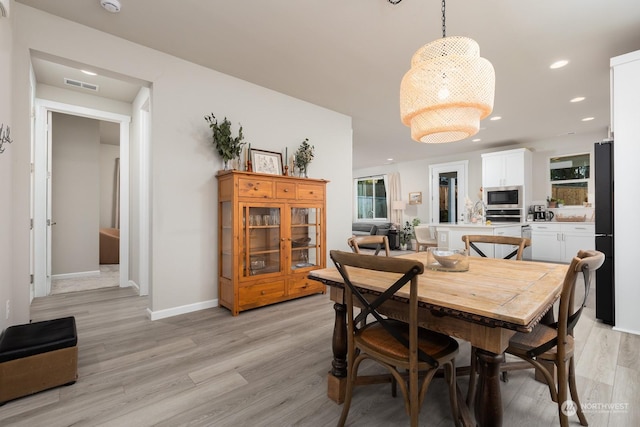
(371, 198)
(570, 178)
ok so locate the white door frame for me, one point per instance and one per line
(42, 247)
(462, 169)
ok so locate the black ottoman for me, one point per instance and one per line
(37, 356)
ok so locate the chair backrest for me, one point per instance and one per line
(407, 271)
(423, 234)
(585, 262)
(520, 242)
(379, 240)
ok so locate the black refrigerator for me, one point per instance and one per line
(605, 279)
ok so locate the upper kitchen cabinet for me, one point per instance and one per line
(506, 168)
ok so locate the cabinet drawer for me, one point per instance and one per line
(556, 228)
(260, 294)
(262, 188)
(310, 192)
(579, 228)
(303, 286)
(285, 190)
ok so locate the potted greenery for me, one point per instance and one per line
(228, 147)
(405, 236)
(551, 202)
(303, 157)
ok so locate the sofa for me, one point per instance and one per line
(373, 228)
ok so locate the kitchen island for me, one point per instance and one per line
(450, 236)
(550, 240)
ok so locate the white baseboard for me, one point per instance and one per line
(626, 330)
(184, 309)
(75, 275)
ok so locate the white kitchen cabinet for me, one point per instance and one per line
(506, 168)
(625, 110)
(558, 242)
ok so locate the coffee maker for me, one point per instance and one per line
(539, 212)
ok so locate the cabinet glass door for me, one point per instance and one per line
(261, 240)
(305, 237)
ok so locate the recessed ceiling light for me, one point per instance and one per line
(90, 73)
(578, 99)
(588, 119)
(476, 140)
(558, 64)
(389, 160)
(495, 118)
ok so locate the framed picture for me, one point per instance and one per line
(415, 198)
(266, 161)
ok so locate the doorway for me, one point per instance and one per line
(448, 183)
(43, 221)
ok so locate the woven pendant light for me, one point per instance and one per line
(447, 91)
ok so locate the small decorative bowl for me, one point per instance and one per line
(257, 264)
(445, 259)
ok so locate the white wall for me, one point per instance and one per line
(83, 99)
(6, 214)
(183, 162)
(626, 152)
(414, 175)
(75, 176)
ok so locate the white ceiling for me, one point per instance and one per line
(350, 55)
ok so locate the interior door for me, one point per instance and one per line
(50, 222)
(448, 184)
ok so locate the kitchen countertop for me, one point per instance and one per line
(506, 224)
(480, 225)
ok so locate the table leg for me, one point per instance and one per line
(337, 378)
(488, 402)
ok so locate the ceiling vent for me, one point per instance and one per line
(112, 6)
(82, 85)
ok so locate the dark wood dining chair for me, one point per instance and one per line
(380, 241)
(470, 241)
(521, 243)
(555, 342)
(398, 346)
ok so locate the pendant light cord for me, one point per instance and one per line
(444, 21)
(444, 18)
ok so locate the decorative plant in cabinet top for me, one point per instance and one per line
(228, 147)
(303, 157)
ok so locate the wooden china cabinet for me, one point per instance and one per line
(271, 233)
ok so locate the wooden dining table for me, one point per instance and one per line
(485, 305)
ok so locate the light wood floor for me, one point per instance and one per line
(267, 367)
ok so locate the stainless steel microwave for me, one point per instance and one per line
(503, 197)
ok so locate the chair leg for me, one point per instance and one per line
(562, 392)
(450, 375)
(574, 392)
(472, 377)
(394, 387)
(352, 374)
(414, 402)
